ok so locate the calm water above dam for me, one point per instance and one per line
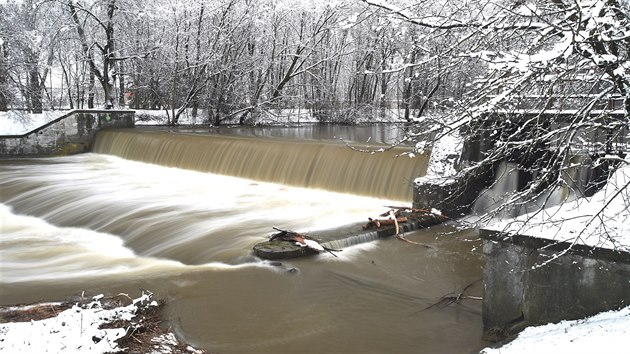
(108, 224)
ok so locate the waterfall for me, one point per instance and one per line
(353, 240)
(505, 183)
(311, 164)
(576, 175)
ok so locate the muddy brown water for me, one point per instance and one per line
(103, 224)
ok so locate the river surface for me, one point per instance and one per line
(103, 224)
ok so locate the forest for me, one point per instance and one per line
(233, 60)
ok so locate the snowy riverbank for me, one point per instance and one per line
(602, 220)
(98, 326)
(21, 122)
(607, 332)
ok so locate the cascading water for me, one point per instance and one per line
(310, 164)
(506, 183)
(101, 223)
(169, 213)
(575, 174)
(353, 240)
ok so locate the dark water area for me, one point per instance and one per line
(359, 135)
(104, 224)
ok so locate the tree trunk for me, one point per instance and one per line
(407, 92)
(91, 90)
(34, 89)
(107, 51)
(195, 108)
(4, 55)
(66, 79)
(121, 84)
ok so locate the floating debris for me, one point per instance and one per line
(301, 240)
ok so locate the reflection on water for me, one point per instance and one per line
(363, 135)
(103, 224)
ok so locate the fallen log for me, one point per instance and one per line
(383, 222)
(411, 212)
(401, 209)
(285, 244)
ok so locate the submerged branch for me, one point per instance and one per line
(450, 299)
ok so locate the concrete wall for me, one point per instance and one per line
(519, 293)
(71, 133)
(454, 197)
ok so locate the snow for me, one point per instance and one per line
(602, 220)
(607, 332)
(75, 330)
(391, 7)
(311, 244)
(21, 122)
(445, 154)
(78, 329)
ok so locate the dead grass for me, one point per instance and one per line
(32, 312)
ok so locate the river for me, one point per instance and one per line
(101, 223)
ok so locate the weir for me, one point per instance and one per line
(103, 223)
(309, 164)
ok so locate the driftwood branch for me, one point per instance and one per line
(383, 222)
(450, 299)
(292, 236)
(400, 214)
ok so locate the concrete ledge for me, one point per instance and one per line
(556, 246)
(519, 292)
(454, 196)
(71, 133)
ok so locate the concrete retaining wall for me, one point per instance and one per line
(454, 197)
(518, 292)
(71, 133)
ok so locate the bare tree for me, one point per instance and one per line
(4, 75)
(83, 16)
(28, 43)
(550, 82)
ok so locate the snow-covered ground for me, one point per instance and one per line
(21, 122)
(607, 332)
(78, 329)
(445, 154)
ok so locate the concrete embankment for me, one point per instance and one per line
(71, 133)
(531, 281)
